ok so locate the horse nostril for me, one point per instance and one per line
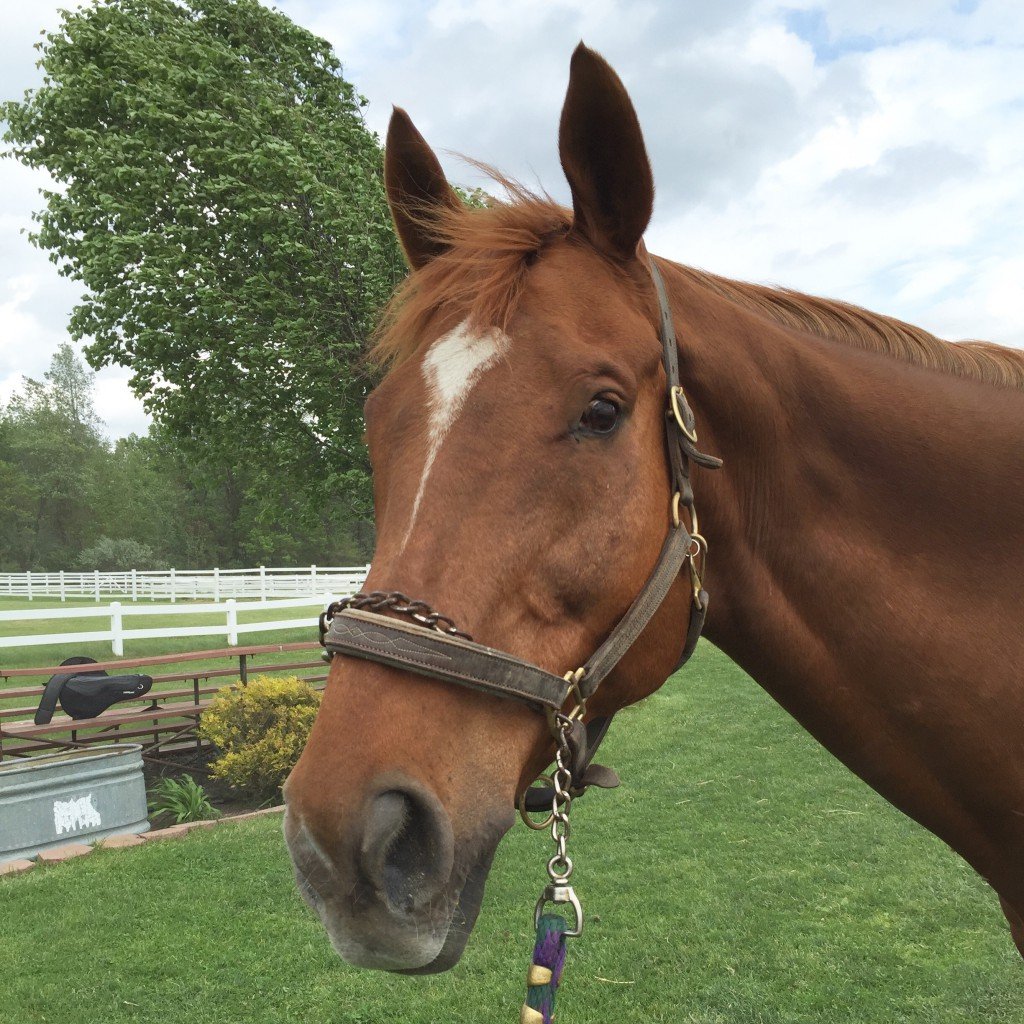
(408, 847)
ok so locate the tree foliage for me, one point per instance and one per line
(73, 500)
(50, 445)
(110, 554)
(221, 199)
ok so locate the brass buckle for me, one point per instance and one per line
(579, 709)
(675, 395)
(574, 679)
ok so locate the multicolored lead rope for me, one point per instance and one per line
(545, 971)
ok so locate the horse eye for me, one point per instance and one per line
(601, 416)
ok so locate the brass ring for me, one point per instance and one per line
(525, 814)
(677, 521)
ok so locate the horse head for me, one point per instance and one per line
(522, 489)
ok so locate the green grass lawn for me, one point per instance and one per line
(740, 876)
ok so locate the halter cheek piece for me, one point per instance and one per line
(430, 644)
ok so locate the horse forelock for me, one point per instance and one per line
(479, 276)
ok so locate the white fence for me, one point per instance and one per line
(115, 613)
(261, 583)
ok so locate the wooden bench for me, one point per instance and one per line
(165, 718)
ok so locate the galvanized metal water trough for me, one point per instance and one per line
(72, 796)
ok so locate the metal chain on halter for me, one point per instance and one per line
(552, 929)
(390, 601)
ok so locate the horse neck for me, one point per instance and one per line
(855, 514)
(866, 540)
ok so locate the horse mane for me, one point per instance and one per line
(490, 249)
(853, 325)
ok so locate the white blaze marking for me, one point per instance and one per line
(73, 815)
(451, 368)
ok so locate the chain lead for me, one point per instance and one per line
(558, 890)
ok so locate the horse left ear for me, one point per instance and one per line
(603, 155)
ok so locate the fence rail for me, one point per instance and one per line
(262, 582)
(115, 613)
(167, 714)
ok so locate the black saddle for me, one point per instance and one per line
(86, 693)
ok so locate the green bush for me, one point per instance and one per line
(260, 730)
(182, 799)
(119, 554)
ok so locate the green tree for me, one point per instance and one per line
(73, 501)
(69, 384)
(193, 517)
(51, 454)
(221, 200)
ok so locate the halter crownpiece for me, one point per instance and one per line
(431, 645)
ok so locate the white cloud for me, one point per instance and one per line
(117, 406)
(879, 206)
(862, 149)
(869, 151)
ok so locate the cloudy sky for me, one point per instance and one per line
(870, 150)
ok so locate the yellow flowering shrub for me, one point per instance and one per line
(260, 730)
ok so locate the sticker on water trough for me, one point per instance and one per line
(76, 814)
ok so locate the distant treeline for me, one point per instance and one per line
(74, 500)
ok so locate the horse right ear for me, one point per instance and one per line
(416, 189)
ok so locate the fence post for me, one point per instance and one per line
(263, 583)
(216, 584)
(63, 592)
(117, 629)
(243, 670)
(232, 622)
(96, 584)
(312, 579)
(172, 586)
(135, 586)
(28, 583)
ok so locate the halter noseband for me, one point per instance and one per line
(430, 645)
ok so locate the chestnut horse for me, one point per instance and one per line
(866, 532)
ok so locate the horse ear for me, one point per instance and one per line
(416, 189)
(603, 156)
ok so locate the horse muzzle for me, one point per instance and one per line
(390, 886)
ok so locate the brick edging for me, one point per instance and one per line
(57, 854)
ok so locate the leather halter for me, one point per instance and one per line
(441, 653)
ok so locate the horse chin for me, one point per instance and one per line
(426, 946)
(464, 916)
